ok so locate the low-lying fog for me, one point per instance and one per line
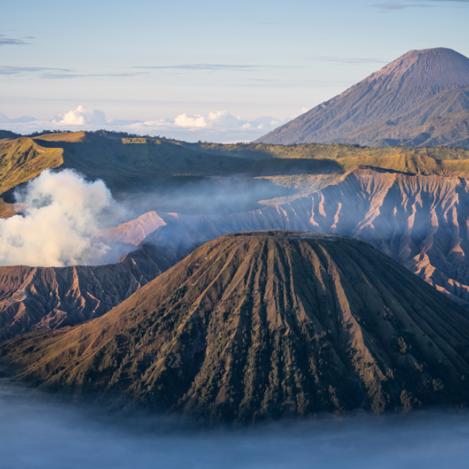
(38, 433)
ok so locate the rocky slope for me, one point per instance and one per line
(52, 297)
(267, 325)
(134, 232)
(421, 221)
(420, 99)
(217, 189)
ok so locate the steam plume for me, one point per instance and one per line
(61, 222)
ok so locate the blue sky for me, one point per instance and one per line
(202, 69)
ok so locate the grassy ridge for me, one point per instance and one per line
(22, 159)
(433, 160)
(126, 162)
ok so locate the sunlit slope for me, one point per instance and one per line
(267, 325)
(128, 163)
(433, 160)
(419, 220)
(22, 159)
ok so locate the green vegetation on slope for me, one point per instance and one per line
(22, 159)
(433, 160)
(129, 163)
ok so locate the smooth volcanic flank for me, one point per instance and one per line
(266, 325)
(419, 99)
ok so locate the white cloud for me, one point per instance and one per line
(81, 116)
(190, 122)
(224, 121)
(217, 126)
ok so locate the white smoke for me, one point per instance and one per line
(61, 223)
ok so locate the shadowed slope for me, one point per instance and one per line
(136, 164)
(52, 297)
(267, 325)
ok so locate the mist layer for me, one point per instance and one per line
(37, 433)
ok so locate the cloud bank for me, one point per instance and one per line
(223, 120)
(40, 433)
(81, 116)
(219, 125)
(61, 223)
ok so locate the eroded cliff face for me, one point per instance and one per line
(421, 221)
(52, 297)
(133, 232)
(266, 325)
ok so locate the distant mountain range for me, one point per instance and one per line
(266, 325)
(419, 99)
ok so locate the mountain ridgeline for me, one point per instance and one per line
(134, 164)
(412, 203)
(421, 221)
(419, 99)
(266, 325)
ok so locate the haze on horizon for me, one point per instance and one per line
(205, 70)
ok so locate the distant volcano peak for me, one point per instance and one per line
(419, 99)
(433, 52)
(426, 68)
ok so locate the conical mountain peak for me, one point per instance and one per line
(419, 99)
(265, 325)
(428, 70)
